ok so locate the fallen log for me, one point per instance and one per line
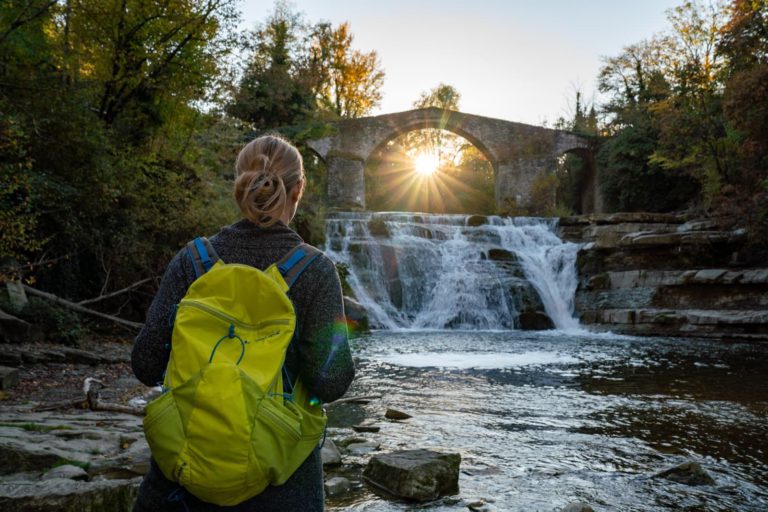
(77, 307)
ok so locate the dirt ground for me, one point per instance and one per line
(50, 382)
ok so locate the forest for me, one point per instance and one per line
(119, 123)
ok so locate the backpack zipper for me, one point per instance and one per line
(231, 320)
(286, 427)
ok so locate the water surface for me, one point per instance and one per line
(543, 419)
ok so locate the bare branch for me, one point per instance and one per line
(115, 293)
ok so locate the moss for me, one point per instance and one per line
(35, 427)
(70, 462)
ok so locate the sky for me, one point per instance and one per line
(519, 60)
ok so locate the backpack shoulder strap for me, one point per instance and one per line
(293, 264)
(202, 254)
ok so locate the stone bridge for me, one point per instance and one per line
(519, 153)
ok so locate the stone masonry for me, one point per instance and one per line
(519, 153)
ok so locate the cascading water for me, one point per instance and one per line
(418, 271)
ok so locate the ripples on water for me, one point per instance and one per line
(543, 419)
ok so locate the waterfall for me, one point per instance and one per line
(420, 271)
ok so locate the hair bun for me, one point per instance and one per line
(260, 163)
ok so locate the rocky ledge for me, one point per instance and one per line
(70, 461)
(667, 275)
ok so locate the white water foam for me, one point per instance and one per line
(479, 361)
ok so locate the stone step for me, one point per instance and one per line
(656, 278)
(746, 324)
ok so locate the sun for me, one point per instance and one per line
(426, 163)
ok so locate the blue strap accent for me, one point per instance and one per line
(192, 259)
(298, 272)
(203, 252)
(293, 260)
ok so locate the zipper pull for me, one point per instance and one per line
(231, 330)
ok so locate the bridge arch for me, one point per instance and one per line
(518, 153)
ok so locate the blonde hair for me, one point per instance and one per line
(266, 170)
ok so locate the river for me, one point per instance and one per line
(541, 418)
(544, 419)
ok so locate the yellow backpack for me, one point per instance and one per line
(225, 427)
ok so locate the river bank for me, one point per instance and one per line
(668, 275)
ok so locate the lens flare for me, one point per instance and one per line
(426, 163)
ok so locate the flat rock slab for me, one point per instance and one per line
(65, 495)
(420, 475)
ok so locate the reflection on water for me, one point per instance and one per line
(542, 420)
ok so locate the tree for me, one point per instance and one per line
(348, 81)
(275, 90)
(443, 96)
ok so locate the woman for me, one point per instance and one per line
(268, 187)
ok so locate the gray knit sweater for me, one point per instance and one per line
(323, 361)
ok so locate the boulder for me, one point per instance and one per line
(356, 314)
(9, 377)
(688, 473)
(420, 475)
(337, 485)
(501, 255)
(534, 321)
(330, 454)
(476, 220)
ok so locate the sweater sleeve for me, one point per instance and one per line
(150, 349)
(324, 356)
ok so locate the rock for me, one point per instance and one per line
(366, 428)
(356, 314)
(378, 227)
(10, 357)
(481, 506)
(476, 220)
(501, 255)
(12, 329)
(74, 355)
(394, 414)
(9, 377)
(350, 440)
(337, 485)
(330, 455)
(66, 471)
(688, 473)
(577, 506)
(64, 495)
(420, 475)
(16, 294)
(363, 448)
(534, 321)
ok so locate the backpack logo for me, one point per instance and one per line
(230, 421)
